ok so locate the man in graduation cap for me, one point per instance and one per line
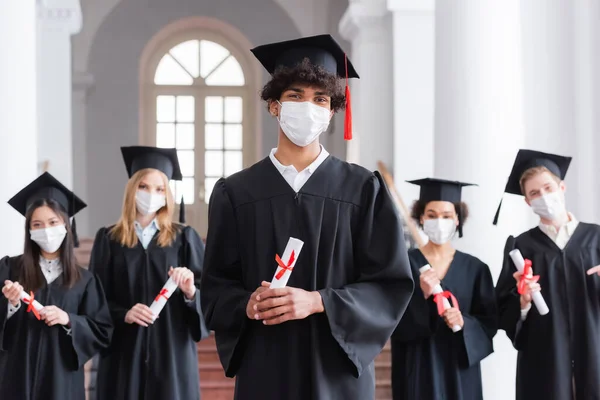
(559, 353)
(317, 337)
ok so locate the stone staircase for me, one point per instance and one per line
(214, 385)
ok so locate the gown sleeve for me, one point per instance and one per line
(193, 259)
(481, 322)
(509, 303)
(363, 315)
(421, 318)
(91, 327)
(100, 264)
(4, 275)
(223, 296)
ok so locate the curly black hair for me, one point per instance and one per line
(418, 209)
(305, 73)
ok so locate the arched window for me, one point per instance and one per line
(197, 103)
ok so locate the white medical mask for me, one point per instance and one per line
(303, 122)
(149, 203)
(439, 230)
(549, 206)
(49, 239)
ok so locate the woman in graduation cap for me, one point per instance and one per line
(150, 357)
(316, 338)
(559, 352)
(42, 351)
(436, 353)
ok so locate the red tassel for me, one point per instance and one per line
(348, 119)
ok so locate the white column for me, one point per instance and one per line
(478, 130)
(57, 21)
(367, 25)
(414, 92)
(18, 134)
(82, 83)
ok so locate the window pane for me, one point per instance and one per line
(185, 188)
(185, 136)
(188, 55)
(213, 109)
(213, 137)
(185, 109)
(211, 55)
(169, 72)
(233, 109)
(165, 108)
(213, 163)
(209, 184)
(233, 162)
(165, 135)
(186, 162)
(233, 137)
(228, 74)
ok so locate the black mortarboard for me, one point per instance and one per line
(48, 187)
(321, 50)
(140, 157)
(527, 159)
(433, 189)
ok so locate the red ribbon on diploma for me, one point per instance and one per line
(30, 307)
(283, 266)
(439, 300)
(162, 293)
(526, 277)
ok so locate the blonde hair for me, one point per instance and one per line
(531, 172)
(124, 230)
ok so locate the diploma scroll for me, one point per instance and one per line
(286, 263)
(32, 306)
(438, 290)
(163, 296)
(537, 297)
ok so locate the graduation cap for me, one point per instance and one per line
(141, 157)
(433, 189)
(321, 50)
(527, 159)
(48, 187)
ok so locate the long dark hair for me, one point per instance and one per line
(31, 276)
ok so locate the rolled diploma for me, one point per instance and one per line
(25, 299)
(158, 305)
(437, 290)
(537, 297)
(294, 245)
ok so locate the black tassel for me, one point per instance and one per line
(74, 233)
(497, 213)
(182, 212)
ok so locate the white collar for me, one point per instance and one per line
(323, 154)
(50, 264)
(569, 226)
(153, 224)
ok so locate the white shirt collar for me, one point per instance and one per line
(153, 225)
(50, 265)
(310, 169)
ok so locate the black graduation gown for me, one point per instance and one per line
(565, 343)
(429, 361)
(353, 254)
(41, 362)
(161, 361)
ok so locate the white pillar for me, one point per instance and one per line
(57, 21)
(17, 107)
(414, 92)
(367, 25)
(478, 130)
(82, 83)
